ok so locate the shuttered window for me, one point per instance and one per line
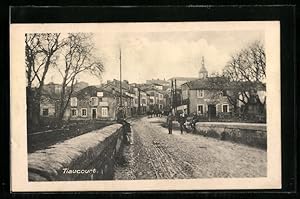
(94, 101)
(200, 109)
(73, 101)
(225, 108)
(200, 93)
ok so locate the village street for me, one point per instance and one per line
(155, 154)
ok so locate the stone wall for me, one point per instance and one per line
(246, 133)
(86, 157)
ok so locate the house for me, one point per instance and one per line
(96, 103)
(48, 105)
(127, 92)
(216, 96)
(157, 99)
(205, 96)
(158, 86)
(52, 88)
(80, 85)
(141, 100)
(50, 100)
(201, 97)
(181, 80)
(163, 82)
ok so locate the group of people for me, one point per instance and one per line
(182, 120)
(155, 113)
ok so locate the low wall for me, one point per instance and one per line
(86, 157)
(246, 133)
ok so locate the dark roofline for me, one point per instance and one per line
(228, 85)
(185, 78)
(96, 89)
(118, 86)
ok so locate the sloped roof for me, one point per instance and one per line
(184, 78)
(157, 84)
(92, 91)
(157, 81)
(220, 83)
(49, 94)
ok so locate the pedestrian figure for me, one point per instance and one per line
(170, 122)
(194, 121)
(182, 120)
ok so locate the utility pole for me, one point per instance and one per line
(120, 78)
(175, 97)
(172, 95)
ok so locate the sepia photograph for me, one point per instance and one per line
(146, 106)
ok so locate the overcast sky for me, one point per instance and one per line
(147, 55)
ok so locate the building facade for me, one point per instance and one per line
(204, 101)
(203, 97)
(97, 103)
(157, 101)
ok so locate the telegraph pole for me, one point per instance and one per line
(175, 97)
(120, 78)
(172, 95)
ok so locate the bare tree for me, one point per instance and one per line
(245, 69)
(249, 64)
(40, 52)
(78, 55)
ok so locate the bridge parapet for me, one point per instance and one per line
(85, 157)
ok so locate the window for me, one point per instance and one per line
(45, 112)
(99, 94)
(94, 101)
(200, 93)
(200, 109)
(143, 101)
(73, 112)
(83, 112)
(185, 94)
(73, 101)
(151, 100)
(104, 111)
(136, 101)
(225, 108)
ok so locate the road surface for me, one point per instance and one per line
(155, 154)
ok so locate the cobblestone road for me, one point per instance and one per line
(154, 154)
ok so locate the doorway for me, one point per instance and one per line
(94, 113)
(212, 112)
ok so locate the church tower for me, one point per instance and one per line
(203, 72)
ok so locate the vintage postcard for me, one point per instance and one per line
(145, 106)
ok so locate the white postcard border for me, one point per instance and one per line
(19, 171)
